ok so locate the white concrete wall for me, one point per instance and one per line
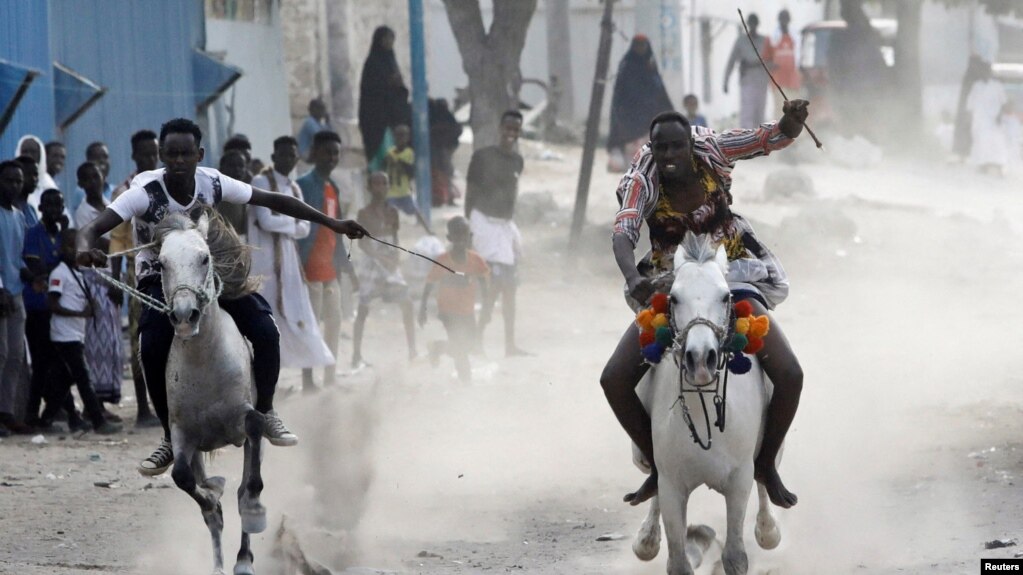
(260, 97)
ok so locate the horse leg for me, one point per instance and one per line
(190, 476)
(648, 539)
(766, 531)
(737, 494)
(252, 512)
(673, 508)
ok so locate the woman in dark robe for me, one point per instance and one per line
(383, 97)
(639, 95)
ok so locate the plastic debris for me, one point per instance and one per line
(611, 537)
(1001, 543)
(39, 440)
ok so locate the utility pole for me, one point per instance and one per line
(420, 108)
(592, 124)
(559, 58)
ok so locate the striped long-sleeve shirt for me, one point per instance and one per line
(638, 195)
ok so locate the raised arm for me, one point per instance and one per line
(295, 208)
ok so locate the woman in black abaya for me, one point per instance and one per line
(639, 95)
(383, 97)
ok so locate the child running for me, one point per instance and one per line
(379, 276)
(456, 295)
(71, 306)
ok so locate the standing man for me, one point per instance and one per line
(179, 188)
(317, 121)
(783, 56)
(98, 154)
(753, 80)
(13, 272)
(323, 255)
(56, 157)
(492, 186)
(145, 152)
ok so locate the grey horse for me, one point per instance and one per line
(209, 377)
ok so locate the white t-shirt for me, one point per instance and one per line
(68, 283)
(86, 213)
(146, 202)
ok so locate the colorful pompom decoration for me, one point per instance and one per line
(662, 336)
(660, 320)
(738, 343)
(653, 352)
(743, 309)
(742, 325)
(659, 303)
(646, 338)
(759, 326)
(644, 320)
(755, 344)
(739, 364)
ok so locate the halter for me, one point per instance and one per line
(720, 388)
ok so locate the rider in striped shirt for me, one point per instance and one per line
(681, 182)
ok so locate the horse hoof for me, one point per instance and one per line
(254, 521)
(216, 485)
(768, 535)
(244, 569)
(646, 547)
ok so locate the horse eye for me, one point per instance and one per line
(673, 299)
(205, 260)
(726, 298)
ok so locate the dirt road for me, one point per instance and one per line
(906, 454)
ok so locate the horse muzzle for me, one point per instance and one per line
(185, 321)
(701, 367)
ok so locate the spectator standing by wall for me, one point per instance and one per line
(638, 96)
(56, 158)
(13, 272)
(444, 134)
(317, 121)
(784, 57)
(145, 152)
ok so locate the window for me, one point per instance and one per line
(259, 11)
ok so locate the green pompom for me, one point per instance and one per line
(663, 336)
(738, 343)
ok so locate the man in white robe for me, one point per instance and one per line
(990, 138)
(275, 259)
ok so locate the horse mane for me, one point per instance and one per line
(698, 248)
(232, 259)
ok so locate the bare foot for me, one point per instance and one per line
(645, 491)
(769, 477)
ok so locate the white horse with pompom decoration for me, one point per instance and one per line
(691, 446)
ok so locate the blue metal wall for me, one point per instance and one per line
(25, 41)
(141, 51)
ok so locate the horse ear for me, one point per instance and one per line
(721, 257)
(203, 225)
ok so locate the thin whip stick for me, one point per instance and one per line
(418, 255)
(742, 18)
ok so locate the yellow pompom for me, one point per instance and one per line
(742, 325)
(759, 326)
(644, 320)
(660, 320)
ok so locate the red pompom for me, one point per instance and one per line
(743, 309)
(646, 337)
(659, 302)
(755, 344)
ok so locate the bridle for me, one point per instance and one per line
(720, 382)
(210, 290)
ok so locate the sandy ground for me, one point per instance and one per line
(906, 454)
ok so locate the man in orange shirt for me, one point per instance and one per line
(323, 254)
(783, 56)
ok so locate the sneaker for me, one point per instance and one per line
(159, 461)
(111, 416)
(108, 428)
(79, 424)
(275, 431)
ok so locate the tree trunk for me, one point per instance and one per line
(491, 60)
(909, 96)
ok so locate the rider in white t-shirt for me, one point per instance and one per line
(182, 186)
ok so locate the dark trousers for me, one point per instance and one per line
(255, 321)
(71, 359)
(37, 332)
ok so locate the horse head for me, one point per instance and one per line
(700, 307)
(189, 281)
